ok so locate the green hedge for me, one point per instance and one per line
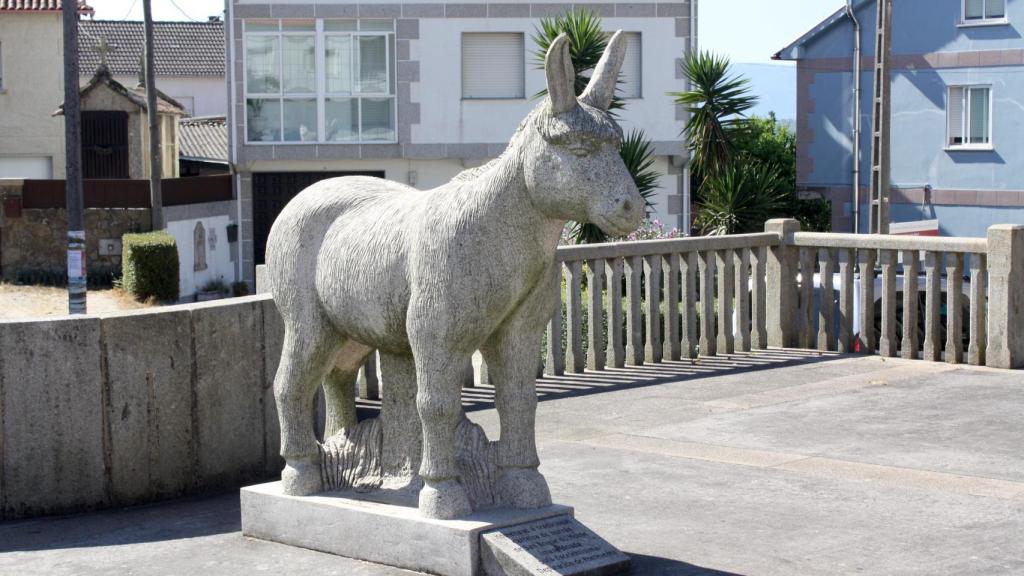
(150, 265)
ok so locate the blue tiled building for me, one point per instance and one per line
(957, 112)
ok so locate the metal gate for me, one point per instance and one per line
(104, 144)
(272, 190)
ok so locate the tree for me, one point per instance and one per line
(587, 42)
(739, 198)
(716, 102)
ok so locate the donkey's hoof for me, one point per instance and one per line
(302, 478)
(444, 500)
(523, 488)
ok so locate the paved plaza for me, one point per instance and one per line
(774, 463)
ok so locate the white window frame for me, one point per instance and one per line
(965, 120)
(983, 21)
(321, 95)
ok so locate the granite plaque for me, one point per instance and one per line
(558, 546)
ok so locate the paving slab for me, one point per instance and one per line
(827, 466)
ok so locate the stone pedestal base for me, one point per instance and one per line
(387, 530)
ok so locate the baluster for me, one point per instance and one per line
(887, 340)
(867, 339)
(979, 310)
(726, 284)
(826, 326)
(708, 344)
(933, 262)
(759, 337)
(911, 265)
(652, 269)
(954, 312)
(616, 348)
(575, 360)
(556, 354)
(846, 266)
(634, 321)
(806, 298)
(595, 314)
(743, 297)
(670, 277)
(689, 267)
(368, 382)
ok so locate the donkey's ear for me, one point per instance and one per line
(601, 89)
(561, 76)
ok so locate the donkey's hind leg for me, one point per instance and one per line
(339, 387)
(306, 357)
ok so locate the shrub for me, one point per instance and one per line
(150, 265)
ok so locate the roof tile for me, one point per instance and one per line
(181, 48)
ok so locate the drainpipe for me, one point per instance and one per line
(856, 115)
(683, 223)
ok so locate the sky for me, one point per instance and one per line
(748, 31)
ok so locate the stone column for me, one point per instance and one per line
(1006, 296)
(781, 284)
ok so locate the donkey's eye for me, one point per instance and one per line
(580, 150)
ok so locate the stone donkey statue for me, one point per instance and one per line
(429, 277)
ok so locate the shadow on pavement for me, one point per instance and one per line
(654, 566)
(189, 517)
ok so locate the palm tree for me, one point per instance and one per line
(716, 102)
(740, 197)
(587, 42)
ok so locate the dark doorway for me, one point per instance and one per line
(104, 144)
(272, 190)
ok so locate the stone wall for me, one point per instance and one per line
(99, 411)
(36, 241)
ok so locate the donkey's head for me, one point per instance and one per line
(571, 159)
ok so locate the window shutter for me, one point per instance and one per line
(630, 77)
(955, 112)
(974, 9)
(493, 65)
(995, 9)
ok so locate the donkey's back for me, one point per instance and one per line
(335, 246)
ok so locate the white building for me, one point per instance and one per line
(189, 59)
(417, 92)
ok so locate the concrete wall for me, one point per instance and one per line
(215, 217)
(33, 87)
(128, 408)
(968, 190)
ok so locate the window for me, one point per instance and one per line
(630, 78)
(493, 65)
(320, 81)
(981, 10)
(969, 113)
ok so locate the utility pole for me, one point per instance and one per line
(155, 164)
(881, 111)
(74, 201)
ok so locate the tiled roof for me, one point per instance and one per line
(39, 6)
(136, 95)
(181, 48)
(204, 138)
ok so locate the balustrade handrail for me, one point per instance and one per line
(670, 246)
(888, 242)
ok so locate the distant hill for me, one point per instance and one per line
(775, 84)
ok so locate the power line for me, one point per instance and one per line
(129, 12)
(183, 13)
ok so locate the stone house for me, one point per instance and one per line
(115, 133)
(418, 91)
(957, 77)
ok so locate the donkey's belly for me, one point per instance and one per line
(361, 278)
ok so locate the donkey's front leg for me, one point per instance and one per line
(439, 403)
(512, 355)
